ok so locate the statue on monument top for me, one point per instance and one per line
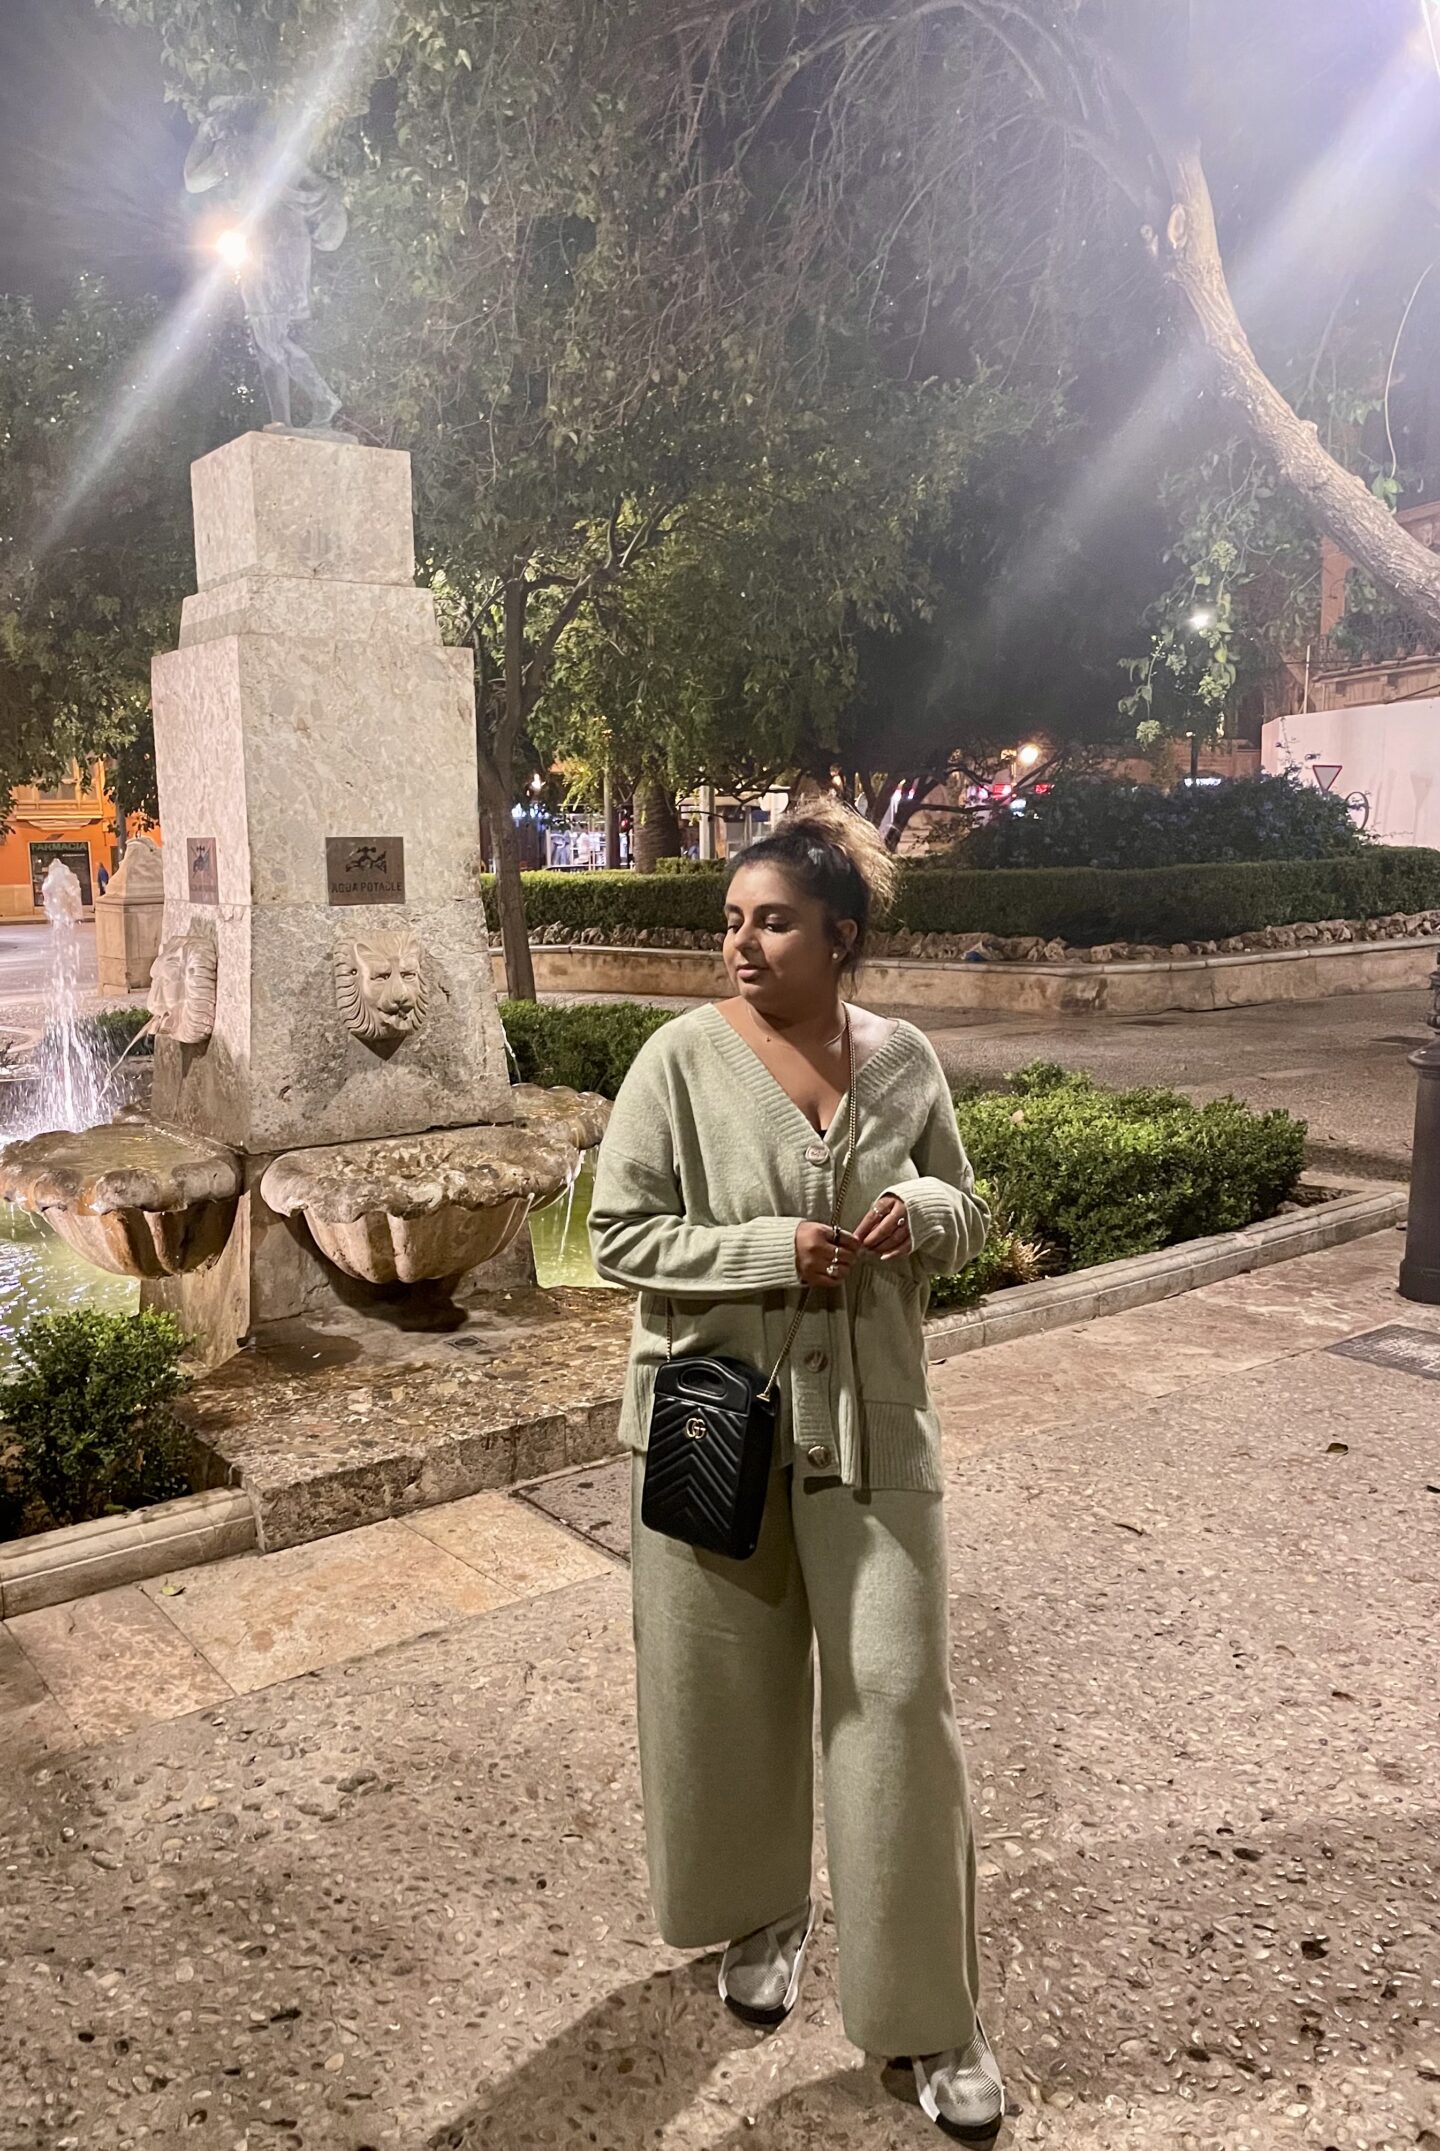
(283, 210)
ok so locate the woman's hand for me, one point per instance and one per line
(824, 1257)
(885, 1229)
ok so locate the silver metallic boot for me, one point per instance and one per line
(760, 1973)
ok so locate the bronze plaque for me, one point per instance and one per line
(203, 867)
(365, 870)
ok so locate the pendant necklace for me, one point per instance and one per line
(825, 1043)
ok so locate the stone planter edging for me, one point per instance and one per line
(1139, 1280)
(1194, 984)
(78, 1559)
(71, 1563)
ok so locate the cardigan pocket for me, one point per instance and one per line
(902, 1447)
(887, 1325)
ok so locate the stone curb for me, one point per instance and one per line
(1115, 1287)
(82, 1558)
(1259, 978)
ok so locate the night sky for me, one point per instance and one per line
(90, 154)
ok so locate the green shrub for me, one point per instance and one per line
(88, 1401)
(618, 900)
(1099, 821)
(1097, 1174)
(1082, 905)
(1006, 1259)
(117, 1029)
(714, 867)
(110, 1031)
(585, 1045)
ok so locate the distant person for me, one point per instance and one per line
(782, 1176)
(102, 879)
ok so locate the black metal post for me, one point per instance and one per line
(1420, 1271)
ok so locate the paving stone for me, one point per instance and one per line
(512, 1546)
(32, 1724)
(268, 1617)
(594, 1502)
(114, 1662)
(401, 1903)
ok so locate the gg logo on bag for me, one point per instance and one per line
(695, 1430)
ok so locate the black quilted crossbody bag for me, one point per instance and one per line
(712, 1425)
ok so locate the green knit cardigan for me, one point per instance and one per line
(706, 1170)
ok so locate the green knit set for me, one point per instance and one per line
(705, 1172)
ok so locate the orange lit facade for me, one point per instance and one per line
(74, 821)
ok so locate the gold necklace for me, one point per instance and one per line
(825, 1043)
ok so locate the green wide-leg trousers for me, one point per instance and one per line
(725, 1692)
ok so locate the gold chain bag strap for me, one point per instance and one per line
(713, 1421)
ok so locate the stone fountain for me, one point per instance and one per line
(332, 1120)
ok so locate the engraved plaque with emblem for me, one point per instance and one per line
(202, 868)
(365, 870)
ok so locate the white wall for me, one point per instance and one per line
(1387, 751)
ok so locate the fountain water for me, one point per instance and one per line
(72, 1075)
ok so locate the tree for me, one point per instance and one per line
(582, 286)
(96, 554)
(730, 652)
(1142, 89)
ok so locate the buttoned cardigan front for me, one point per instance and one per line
(707, 1168)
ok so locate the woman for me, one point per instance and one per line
(713, 1202)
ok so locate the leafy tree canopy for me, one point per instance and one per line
(94, 555)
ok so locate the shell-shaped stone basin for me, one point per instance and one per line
(134, 1197)
(402, 1209)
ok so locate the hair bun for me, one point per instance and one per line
(831, 822)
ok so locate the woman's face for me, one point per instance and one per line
(781, 953)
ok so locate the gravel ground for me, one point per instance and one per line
(398, 1904)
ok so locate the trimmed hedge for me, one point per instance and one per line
(1076, 1175)
(617, 900)
(1079, 904)
(582, 1045)
(1090, 905)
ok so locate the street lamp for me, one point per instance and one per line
(1028, 756)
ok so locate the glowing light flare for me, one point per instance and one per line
(1028, 756)
(233, 248)
(1202, 617)
(1427, 17)
(331, 87)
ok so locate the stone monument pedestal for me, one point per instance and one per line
(325, 976)
(128, 919)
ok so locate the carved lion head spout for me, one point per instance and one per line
(182, 986)
(382, 986)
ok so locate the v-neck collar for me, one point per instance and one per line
(770, 1091)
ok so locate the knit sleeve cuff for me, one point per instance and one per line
(944, 1220)
(762, 1255)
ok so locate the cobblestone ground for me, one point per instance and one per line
(397, 1901)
